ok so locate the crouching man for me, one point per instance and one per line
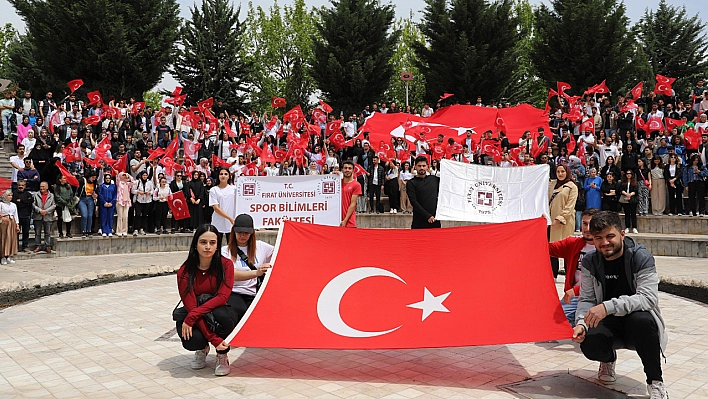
(619, 304)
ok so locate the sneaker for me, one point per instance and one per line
(199, 361)
(68, 235)
(626, 231)
(104, 235)
(671, 214)
(135, 233)
(222, 365)
(142, 232)
(657, 390)
(395, 211)
(690, 214)
(99, 231)
(110, 234)
(606, 373)
(3, 261)
(10, 260)
(61, 235)
(679, 214)
(635, 231)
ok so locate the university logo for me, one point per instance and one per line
(484, 196)
(328, 187)
(249, 189)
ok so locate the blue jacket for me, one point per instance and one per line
(107, 194)
(690, 176)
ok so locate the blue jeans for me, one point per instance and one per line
(86, 207)
(6, 126)
(569, 310)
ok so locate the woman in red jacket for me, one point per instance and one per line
(205, 281)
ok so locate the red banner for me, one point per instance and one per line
(403, 299)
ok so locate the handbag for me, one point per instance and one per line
(66, 215)
(646, 182)
(179, 313)
(244, 259)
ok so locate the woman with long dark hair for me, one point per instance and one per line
(610, 167)
(610, 194)
(673, 174)
(628, 198)
(195, 200)
(643, 176)
(251, 259)
(694, 175)
(205, 281)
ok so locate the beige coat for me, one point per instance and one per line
(562, 209)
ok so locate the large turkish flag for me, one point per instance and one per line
(178, 205)
(453, 122)
(479, 285)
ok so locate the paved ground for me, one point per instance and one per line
(117, 340)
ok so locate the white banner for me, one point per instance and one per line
(308, 199)
(477, 193)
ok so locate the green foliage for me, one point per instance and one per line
(524, 86)
(352, 58)
(470, 48)
(8, 34)
(405, 59)
(675, 45)
(278, 42)
(121, 48)
(153, 99)
(583, 42)
(209, 58)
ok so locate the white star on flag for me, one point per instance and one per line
(430, 304)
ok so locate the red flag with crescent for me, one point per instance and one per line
(178, 205)
(639, 123)
(92, 120)
(137, 107)
(325, 107)
(562, 87)
(333, 127)
(637, 90)
(204, 105)
(94, 97)
(499, 123)
(54, 121)
(277, 102)
(75, 84)
(588, 126)
(655, 124)
(72, 152)
(672, 123)
(218, 162)
(121, 165)
(393, 302)
(359, 171)
(71, 179)
(571, 144)
(318, 116)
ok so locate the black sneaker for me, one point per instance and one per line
(61, 235)
(68, 235)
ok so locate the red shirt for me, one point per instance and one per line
(205, 284)
(569, 249)
(348, 190)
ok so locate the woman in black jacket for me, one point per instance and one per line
(628, 198)
(610, 167)
(610, 194)
(629, 158)
(195, 200)
(178, 184)
(673, 175)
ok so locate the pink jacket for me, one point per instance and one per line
(124, 188)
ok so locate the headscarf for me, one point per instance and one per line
(567, 175)
(4, 196)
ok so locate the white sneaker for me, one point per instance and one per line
(199, 361)
(110, 235)
(10, 260)
(104, 235)
(222, 365)
(657, 390)
(626, 231)
(606, 373)
(635, 231)
(671, 214)
(3, 261)
(395, 211)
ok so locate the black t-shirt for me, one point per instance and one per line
(616, 283)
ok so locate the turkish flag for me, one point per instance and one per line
(325, 107)
(271, 123)
(104, 145)
(319, 116)
(562, 87)
(279, 155)
(277, 102)
(403, 155)
(218, 162)
(250, 169)
(191, 148)
(581, 154)
(639, 123)
(499, 123)
(692, 139)
(92, 120)
(121, 165)
(71, 179)
(137, 107)
(204, 105)
(492, 150)
(229, 131)
(664, 79)
(571, 144)
(94, 163)
(655, 124)
(267, 155)
(94, 97)
(663, 88)
(588, 126)
(445, 96)
(75, 84)
(337, 140)
(294, 115)
(72, 152)
(672, 123)
(630, 105)
(178, 205)
(172, 148)
(514, 154)
(156, 153)
(177, 91)
(333, 127)
(359, 171)
(637, 91)
(552, 93)
(394, 302)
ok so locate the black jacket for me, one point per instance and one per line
(380, 172)
(23, 201)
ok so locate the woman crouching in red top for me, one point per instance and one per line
(206, 272)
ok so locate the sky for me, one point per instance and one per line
(635, 10)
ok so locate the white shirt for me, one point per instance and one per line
(427, 112)
(19, 162)
(226, 199)
(606, 150)
(421, 147)
(264, 253)
(29, 145)
(350, 129)
(9, 209)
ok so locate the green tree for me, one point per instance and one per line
(352, 58)
(525, 85)
(209, 61)
(278, 42)
(405, 59)
(153, 99)
(119, 47)
(583, 42)
(675, 45)
(8, 34)
(469, 50)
